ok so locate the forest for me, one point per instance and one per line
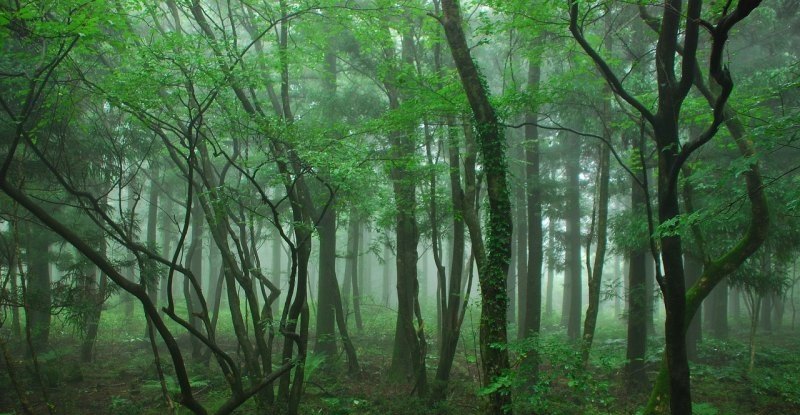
(403, 207)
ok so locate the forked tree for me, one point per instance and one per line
(665, 122)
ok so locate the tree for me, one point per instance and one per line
(493, 258)
(531, 309)
(664, 122)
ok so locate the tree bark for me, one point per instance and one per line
(694, 335)
(596, 273)
(455, 300)
(636, 301)
(573, 286)
(328, 284)
(531, 309)
(194, 259)
(551, 271)
(352, 264)
(408, 357)
(494, 269)
(38, 294)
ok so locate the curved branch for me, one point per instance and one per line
(613, 81)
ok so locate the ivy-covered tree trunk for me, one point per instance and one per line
(494, 269)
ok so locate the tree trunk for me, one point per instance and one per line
(408, 357)
(276, 265)
(194, 259)
(152, 281)
(650, 287)
(573, 286)
(596, 273)
(619, 288)
(14, 272)
(637, 301)
(38, 295)
(551, 269)
(216, 271)
(327, 286)
(493, 267)
(531, 308)
(352, 264)
(165, 220)
(718, 311)
(454, 299)
(694, 335)
(766, 313)
(95, 287)
(365, 279)
(387, 276)
(130, 270)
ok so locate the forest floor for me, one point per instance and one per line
(122, 378)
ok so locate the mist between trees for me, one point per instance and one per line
(403, 207)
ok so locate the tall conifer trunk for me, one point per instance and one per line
(531, 309)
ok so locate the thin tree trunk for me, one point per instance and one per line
(14, 272)
(194, 259)
(152, 229)
(650, 288)
(352, 264)
(166, 242)
(216, 271)
(573, 286)
(387, 276)
(551, 271)
(596, 273)
(618, 292)
(719, 316)
(38, 296)
(151, 282)
(766, 313)
(95, 288)
(454, 299)
(277, 267)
